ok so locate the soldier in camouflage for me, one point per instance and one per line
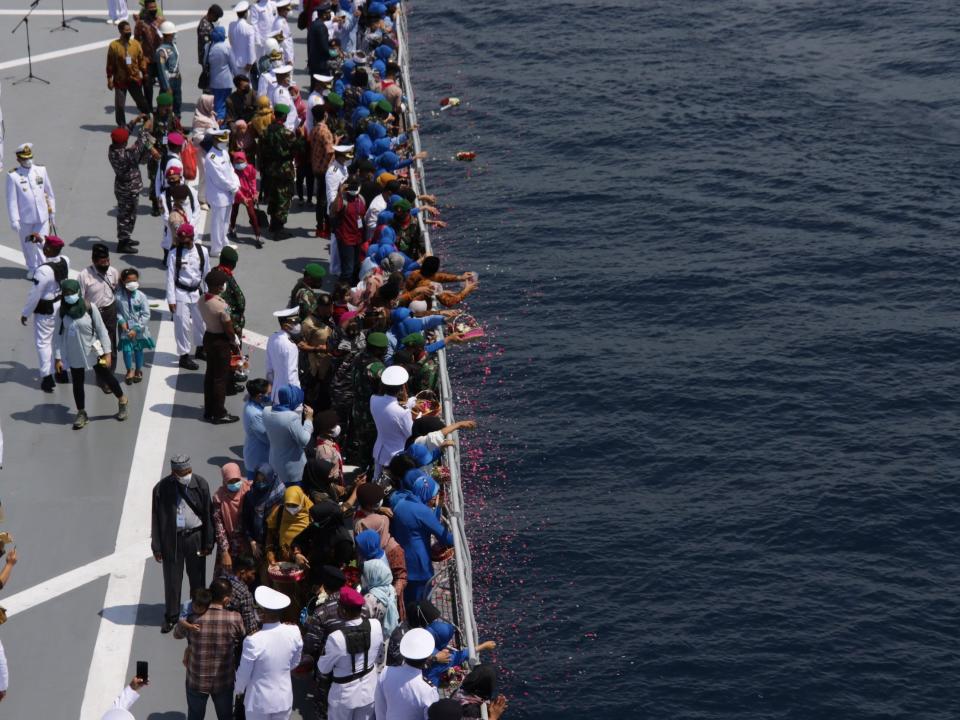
(366, 378)
(128, 181)
(278, 147)
(164, 122)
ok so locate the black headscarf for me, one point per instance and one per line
(425, 425)
(445, 709)
(482, 682)
(316, 475)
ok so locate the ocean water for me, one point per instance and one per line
(717, 473)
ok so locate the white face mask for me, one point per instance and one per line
(294, 329)
(26, 163)
(292, 510)
(71, 299)
(185, 479)
(132, 286)
(335, 432)
(240, 167)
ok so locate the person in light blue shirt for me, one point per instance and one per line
(288, 436)
(220, 62)
(256, 444)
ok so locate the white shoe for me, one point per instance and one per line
(232, 245)
(111, 21)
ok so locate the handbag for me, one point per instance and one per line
(204, 82)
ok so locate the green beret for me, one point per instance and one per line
(164, 99)
(335, 99)
(384, 105)
(402, 205)
(315, 271)
(281, 109)
(377, 339)
(376, 369)
(70, 287)
(415, 339)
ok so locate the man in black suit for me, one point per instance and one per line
(318, 42)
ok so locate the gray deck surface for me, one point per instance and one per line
(64, 491)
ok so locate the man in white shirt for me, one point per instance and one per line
(124, 701)
(402, 692)
(283, 356)
(172, 159)
(31, 205)
(243, 39)
(394, 421)
(187, 266)
(319, 89)
(350, 658)
(337, 172)
(43, 303)
(280, 95)
(282, 28)
(269, 656)
(377, 206)
(262, 14)
(221, 185)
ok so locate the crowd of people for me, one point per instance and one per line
(328, 533)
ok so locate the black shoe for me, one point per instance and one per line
(126, 249)
(165, 254)
(47, 384)
(133, 242)
(187, 364)
(224, 420)
(166, 627)
(155, 212)
(201, 354)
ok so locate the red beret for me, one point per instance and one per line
(174, 170)
(53, 241)
(350, 598)
(185, 230)
(239, 156)
(175, 138)
(119, 135)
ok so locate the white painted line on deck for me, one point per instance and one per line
(76, 578)
(54, 54)
(111, 654)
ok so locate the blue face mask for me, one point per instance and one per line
(234, 486)
(71, 299)
(239, 166)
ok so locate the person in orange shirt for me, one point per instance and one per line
(126, 68)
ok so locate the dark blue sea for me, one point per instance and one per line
(717, 474)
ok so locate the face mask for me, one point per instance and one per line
(240, 166)
(294, 329)
(71, 299)
(126, 37)
(185, 479)
(26, 163)
(261, 482)
(234, 486)
(335, 432)
(132, 286)
(292, 510)
(102, 268)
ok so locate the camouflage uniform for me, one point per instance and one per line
(236, 303)
(363, 430)
(337, 126)
(410, 239)
(162, 125)
(278, 148)
(127, 184)
(305, 297)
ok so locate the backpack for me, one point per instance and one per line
(179, 264)
(189, 157)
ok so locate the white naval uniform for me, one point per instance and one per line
(243, 44)
(281, 96)
(193, 217)
(45, 287)
(316, 97)
(221, 185)
(353, 700)
(261, 16)
(263, 677)
(267, 83)
(280, 25)
(117, 10)
(282, 362)
(404, 694)
(31, 206)
(186, 318)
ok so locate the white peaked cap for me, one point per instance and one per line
(270, 599)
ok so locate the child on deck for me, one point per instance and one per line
(246, 195)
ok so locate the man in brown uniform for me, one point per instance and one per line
(126, 68)
(219, 341)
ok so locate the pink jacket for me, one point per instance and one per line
(248, 184)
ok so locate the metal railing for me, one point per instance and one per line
(459, 568)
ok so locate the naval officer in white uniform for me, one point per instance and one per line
(243, 39)
(280, 95)
(31, 206)
(221, 185)
(43, 303)
(187, 265)
(282, 356)
(269, 656)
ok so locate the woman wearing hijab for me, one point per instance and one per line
(81, 342)
(262, 119)
(317, 480)
(227, 519)
(285, 524)
(414, 523)
(443, 633)
(221, 70)
(379, 597)
(328, 428)
(368, 517)
(204, 118)
(258, 504)
(288, 436)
